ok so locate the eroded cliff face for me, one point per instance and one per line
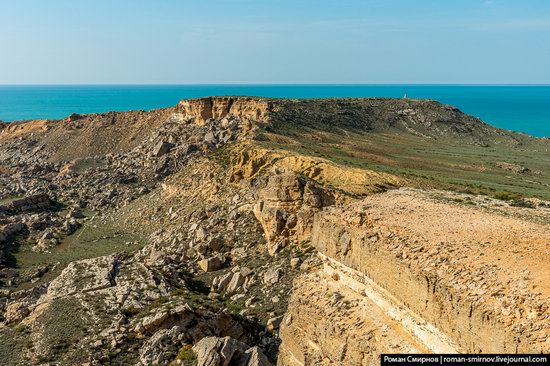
(251, 161)
(471, 276)
(180, 238)
(331, 321)
(246, 108)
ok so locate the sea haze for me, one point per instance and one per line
(515, 107)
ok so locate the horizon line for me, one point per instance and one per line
(274, 84)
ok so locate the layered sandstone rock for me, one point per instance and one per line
(217, 351)
(286, 205)
(175, 193)
(203, 109)
(473, 275)
(253, 161)
(331, 323)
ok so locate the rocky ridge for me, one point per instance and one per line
(240, 242)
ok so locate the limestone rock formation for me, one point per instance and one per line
(214, 351)
(250, 231)
(249, 109)
(286, 205)
(386, 251)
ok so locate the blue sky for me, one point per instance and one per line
(274, 41)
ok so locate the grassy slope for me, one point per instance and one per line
(440, 162)
(90, 241)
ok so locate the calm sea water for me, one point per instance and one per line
(518, 108)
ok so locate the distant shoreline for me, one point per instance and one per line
(524, 108)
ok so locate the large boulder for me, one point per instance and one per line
(212, 264)
(161, 148)
(286, 205)
(226, 351)
(15, 312)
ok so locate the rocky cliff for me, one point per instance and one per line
(222, 232)
(464, 275)
(246, 108)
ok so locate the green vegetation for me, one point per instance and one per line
(506, 196)
(59, 329)
(157, 303)
(94, 239)
(446, 163)
(198, 299)
(12, 344)
(63, 326)
(222, 156)
(233, 307)
(131, 311)
(186, 356)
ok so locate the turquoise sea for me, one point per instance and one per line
(519, 108)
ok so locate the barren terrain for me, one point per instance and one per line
(252, 231)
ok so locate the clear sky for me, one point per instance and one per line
(274, 41)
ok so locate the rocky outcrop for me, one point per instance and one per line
(389, 249)
(18, 305)
(246, 108)
(151, 305)
(168, 330)
(215, 351)
(253, 161)
(9, 230)
(514, 168)
(286, 206)
(330, 323)
(139, 239)
(32, 203)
